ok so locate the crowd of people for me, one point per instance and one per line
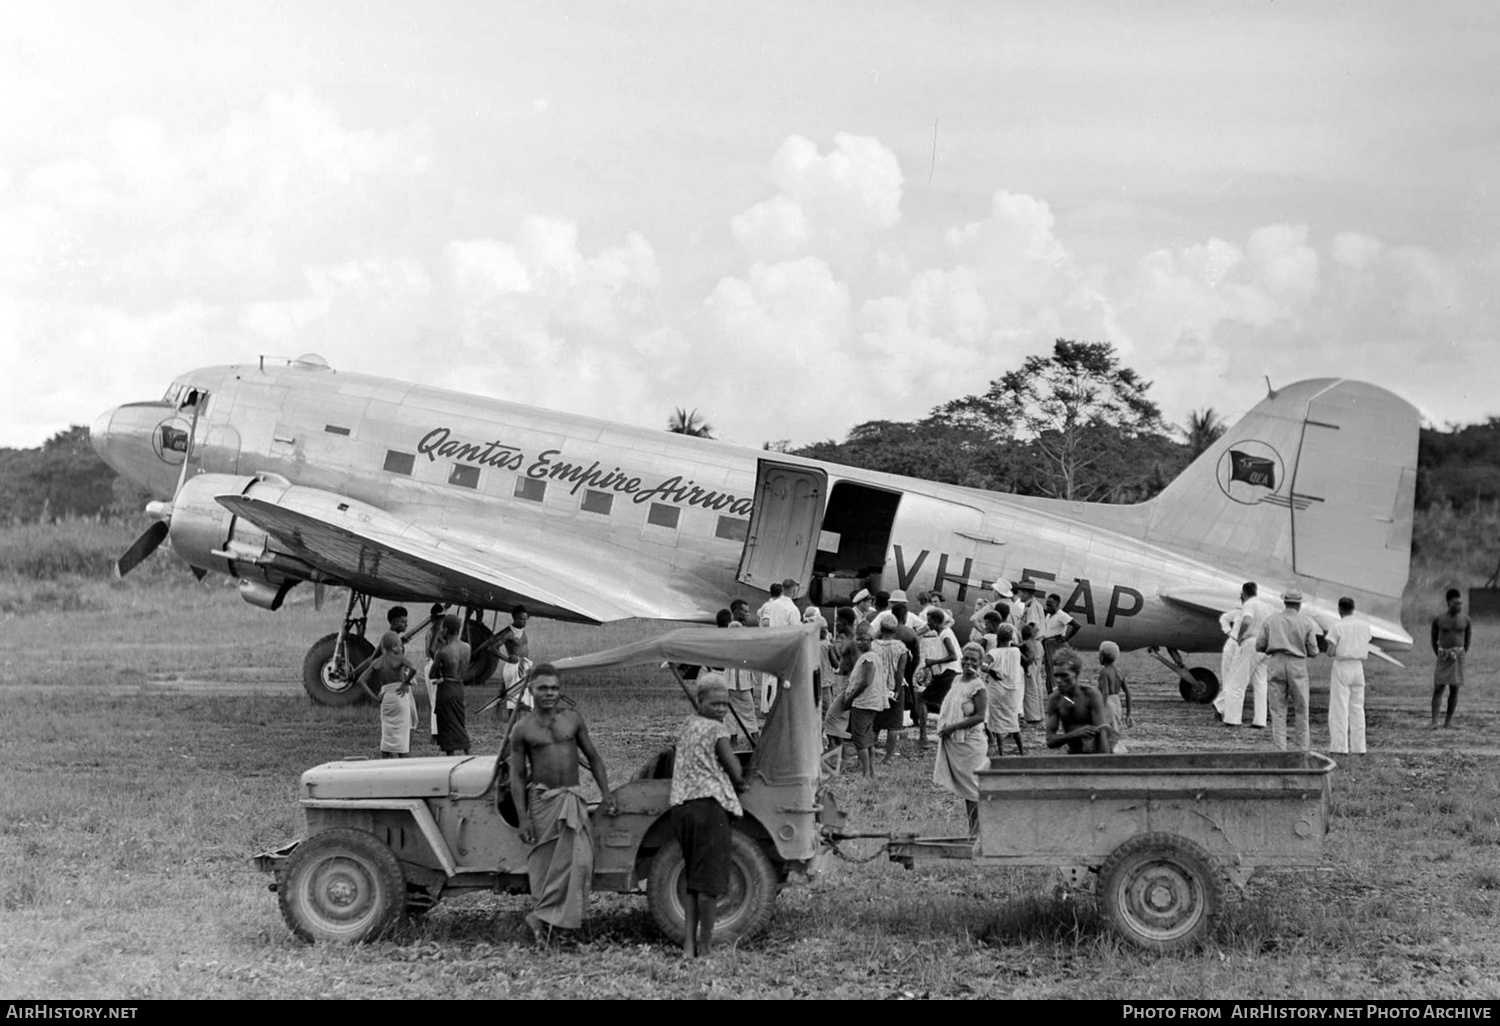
(883, 668)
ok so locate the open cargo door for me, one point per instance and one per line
(782, 538)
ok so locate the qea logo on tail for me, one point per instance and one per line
(1251, 472)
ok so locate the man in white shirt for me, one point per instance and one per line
(1058, 629)
(779, 610)
(1348, 644)
(1248, 670)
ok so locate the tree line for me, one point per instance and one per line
(1073, 424)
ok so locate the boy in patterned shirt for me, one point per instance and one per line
(706, 781)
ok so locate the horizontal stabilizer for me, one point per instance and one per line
(1217, 602)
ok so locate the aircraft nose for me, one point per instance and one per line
(99, 432)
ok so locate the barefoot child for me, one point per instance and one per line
(706, 781)
(1112, 686)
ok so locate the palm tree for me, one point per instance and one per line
(683, 422)
(1203, 429)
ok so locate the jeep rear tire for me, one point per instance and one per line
(341, 886)
(743, 912)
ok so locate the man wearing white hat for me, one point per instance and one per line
(1289, 639)
(864, 605)
(1001, 594)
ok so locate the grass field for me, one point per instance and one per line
(154, 732)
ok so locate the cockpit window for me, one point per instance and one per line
(173, 391)
(190, 399)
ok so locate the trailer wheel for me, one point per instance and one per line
(342, 886)
(743, 912)
(1161, 891)
(330, 683)
(1204, 687)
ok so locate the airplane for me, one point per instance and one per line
(284, 472)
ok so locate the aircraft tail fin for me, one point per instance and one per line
(1316, 485)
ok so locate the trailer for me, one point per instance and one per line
(1160, 834)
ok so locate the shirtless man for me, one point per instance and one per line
(1076, 713)
(1451, 634)
(449, 665)
(545, 746)
(515, 654)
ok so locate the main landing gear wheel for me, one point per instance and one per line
(1204, 688)
(332, 683)
(743, 911)
(1161, 892)
(342, 886)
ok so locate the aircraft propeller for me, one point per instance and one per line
(150, 539)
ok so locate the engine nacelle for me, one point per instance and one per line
(206, 535)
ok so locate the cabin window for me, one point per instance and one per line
(663, 515)
(597, 501)
(530, 489)
(732, 528)
(334, 429)
(399, 462)
(464, 475)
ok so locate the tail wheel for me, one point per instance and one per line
(342, 886)
(1161, 891)
(329, 681)
(743, 911)
(1204, 687)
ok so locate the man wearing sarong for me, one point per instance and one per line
(399, 619)
(449, 665)
(515, 656)
(434, 630)
(1451, 635)
(545, 746)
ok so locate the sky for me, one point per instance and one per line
(792, 217)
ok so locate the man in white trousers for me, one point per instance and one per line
(1248, 670)
(1229, 623)
(1349, 645)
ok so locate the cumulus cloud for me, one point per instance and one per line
(826, 203)
(538, 318)
(219, 212)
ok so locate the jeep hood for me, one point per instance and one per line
(442, 777)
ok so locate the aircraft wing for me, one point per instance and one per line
(385, 554)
